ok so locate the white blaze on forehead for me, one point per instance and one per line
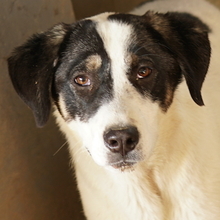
(116, 37)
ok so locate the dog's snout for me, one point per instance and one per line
(121, 140)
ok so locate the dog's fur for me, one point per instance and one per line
(127, 95)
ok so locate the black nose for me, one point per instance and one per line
(121, 140)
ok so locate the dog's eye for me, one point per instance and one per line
(143, 72)
(82, 80)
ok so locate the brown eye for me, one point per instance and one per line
(143, 72)
(82, 81)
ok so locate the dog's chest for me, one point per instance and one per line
(121, 196)
(133, 195)
(137, 197)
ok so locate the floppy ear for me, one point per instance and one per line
(31, 70)
(187, 38)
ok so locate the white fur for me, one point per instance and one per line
(179, 175)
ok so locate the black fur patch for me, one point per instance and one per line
(173, 45)
(31, 70)
(83, 101)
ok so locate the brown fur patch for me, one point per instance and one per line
(93, 62)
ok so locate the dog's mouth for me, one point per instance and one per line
(123, 166)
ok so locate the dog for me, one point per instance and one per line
(137, 96)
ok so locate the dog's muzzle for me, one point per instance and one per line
(121, 142)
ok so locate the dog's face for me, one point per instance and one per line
(110, 76)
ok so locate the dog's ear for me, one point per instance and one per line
(187, 38)
(31, 69)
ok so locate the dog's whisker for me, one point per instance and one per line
(60, 148)
(78, 153)
(80, 150)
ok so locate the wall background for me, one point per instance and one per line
(85, 8)
(35, 184)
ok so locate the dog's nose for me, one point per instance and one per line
(121, 140)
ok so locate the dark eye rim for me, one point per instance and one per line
(87, 82)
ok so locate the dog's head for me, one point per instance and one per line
(110, 75)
